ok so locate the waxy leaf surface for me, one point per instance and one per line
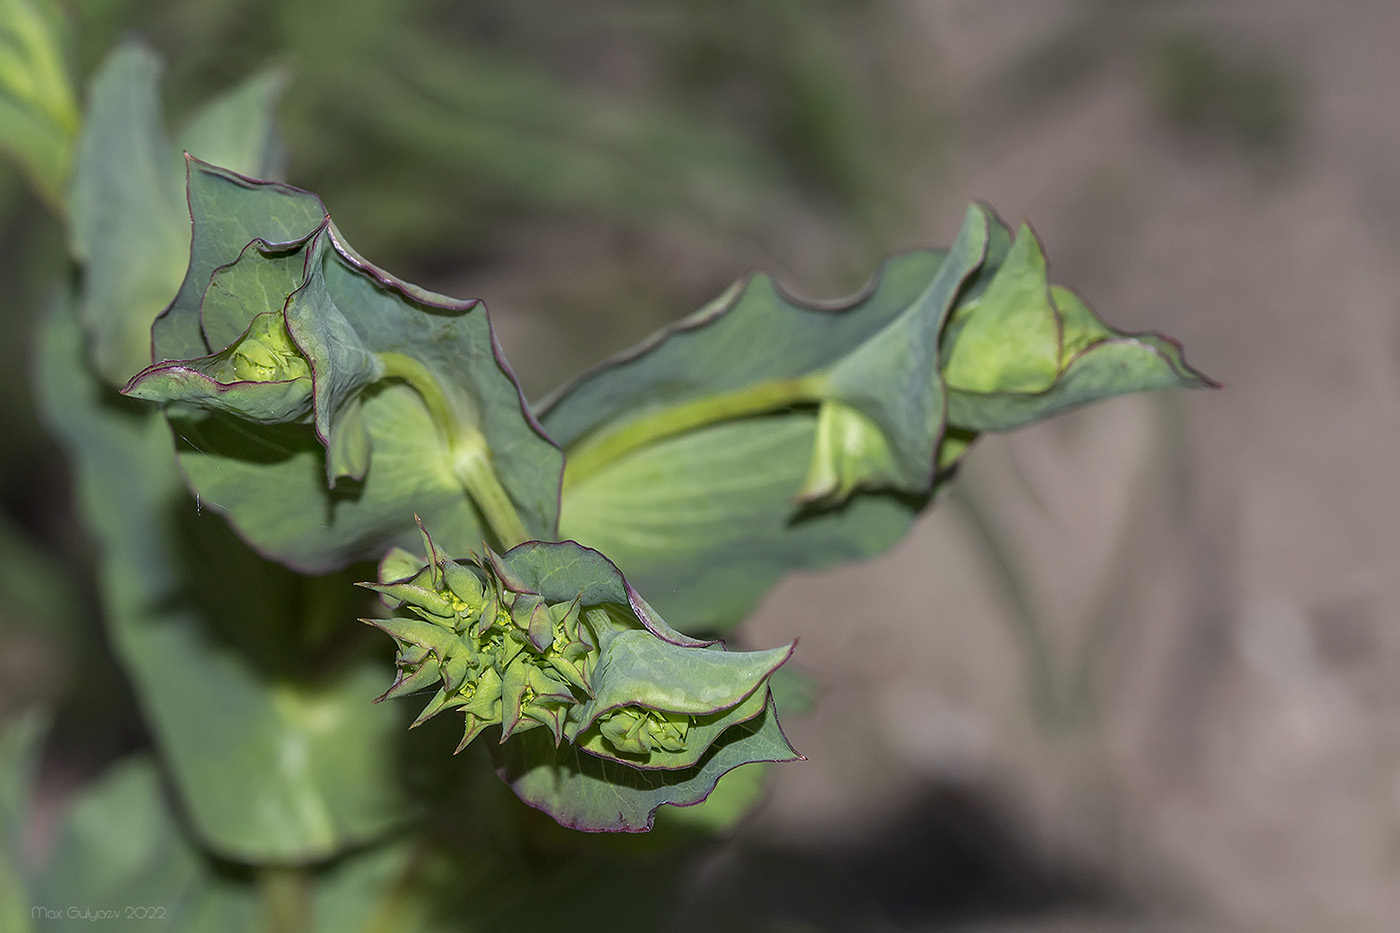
(38, 115)
(594, 794)
(343, 483)
(762, 435)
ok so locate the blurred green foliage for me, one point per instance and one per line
(426, 122)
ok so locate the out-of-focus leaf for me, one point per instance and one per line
(120, 862)
(236, 128)
(273, 759)
(38, 112)
(19, 753)
(409, 390)
(598, 795)
(129, 224)
(36, 587)
(127, 227)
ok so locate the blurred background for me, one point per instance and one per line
(1135, 671)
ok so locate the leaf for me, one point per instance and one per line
(1096, 362)
(271, 763)
(412, 401)
(762, 435)
(705, 518)
(597, 795)
(668, 741)
(38, 112)
(119, 847)
(20, 741)
(564, 571)
(1011, 342)
(237, 128)
(129, 225)
(636, 668)
(122, 861)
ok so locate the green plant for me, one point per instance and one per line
(330, 422)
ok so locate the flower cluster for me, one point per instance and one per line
(501, 657)
(549, 636)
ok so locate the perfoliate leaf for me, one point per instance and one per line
(1095, 362)
(411, 402)
(1011, 338)
(762, 435)
(594, 794)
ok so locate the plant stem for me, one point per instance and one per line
(471, 463)
(467, 447)
(421, 378)
(286, 898)
(599, 449)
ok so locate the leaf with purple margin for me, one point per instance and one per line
(393, 429)
(594, 794)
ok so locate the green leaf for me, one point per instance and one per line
(655, 739)
(129, 224)
(594, 794)
(705, 521)
(275, 757)
(237, 128)
(412, 402)
(1011, 341)
(565, 571)
(38, 111)
(761, 435)
(264, 220)
(19, 754)
(639, 669)
(1096, 362)
(119, 847)
(703, 512)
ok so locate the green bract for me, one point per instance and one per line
(280, 324)
(550, 636)
(762, 435)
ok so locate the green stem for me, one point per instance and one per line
(286, 898)
(597, 450)
(471, 455)
(409, 370)
(471, 463)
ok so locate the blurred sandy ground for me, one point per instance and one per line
(1165, 692)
